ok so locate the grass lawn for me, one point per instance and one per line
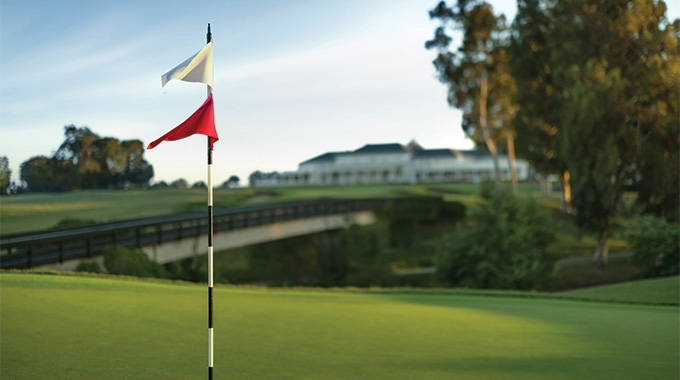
(35, 211)
(67, 327)
(659, 291)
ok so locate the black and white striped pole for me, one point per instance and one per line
(210, 246)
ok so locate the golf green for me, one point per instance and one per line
(68, 327)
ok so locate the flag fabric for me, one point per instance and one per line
(202, 122)
(197, 68)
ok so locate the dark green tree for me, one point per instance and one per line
(45, 174)
(5, 174)
(538, 95)
(617, 67)
(505, 248)
(138, 171)
(180, 183)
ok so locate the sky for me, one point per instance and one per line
(293, 79)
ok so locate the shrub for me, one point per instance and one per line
(73, 222)
(504, 249)
(656, 243)
(403, 214)
(88, 266)
(131, 262)
(420, 209)
(452, 210)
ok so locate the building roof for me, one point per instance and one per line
(381, 148)
(429, 153)
(326, 157)
(413, 147)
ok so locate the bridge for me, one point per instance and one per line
(173, 237)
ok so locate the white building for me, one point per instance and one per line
(395, 163)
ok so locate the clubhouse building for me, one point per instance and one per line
(394, 163)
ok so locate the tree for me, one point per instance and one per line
(5, 174)
(86, 161)
(655, 242)
(46, 174)
(78, 152)
(538, 96)
(179, 184)
(477, 74)
(504, 249)
(160, 185)
(137, 171)
(610, 76)
(232, 182)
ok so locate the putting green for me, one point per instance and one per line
(65, 327)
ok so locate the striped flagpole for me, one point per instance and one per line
(210, 246)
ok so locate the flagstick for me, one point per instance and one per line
(210, 246)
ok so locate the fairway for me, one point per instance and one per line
(36, 211)
(68, 327)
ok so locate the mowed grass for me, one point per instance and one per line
(36, 211)
(28, 212)
(66, 327)
(655, 291)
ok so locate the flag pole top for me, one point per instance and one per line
(208, 37)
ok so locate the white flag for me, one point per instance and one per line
(197, 68)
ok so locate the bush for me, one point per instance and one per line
(404, 214)
(504, 249)
(656, 243)
(73, 222)
(453, 211)
(88, 266)
(131, 262)
(419, 209)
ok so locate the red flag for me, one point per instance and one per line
(202, 122)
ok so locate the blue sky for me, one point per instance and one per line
(293, 79)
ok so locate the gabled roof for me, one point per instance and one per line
(326, 157)
(381, 148)
(429, 153)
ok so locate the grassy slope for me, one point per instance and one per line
(62, 327)
(659, 291)
(28, 212)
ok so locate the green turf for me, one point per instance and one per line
(64, 327)
(28, 212)
(657, 291)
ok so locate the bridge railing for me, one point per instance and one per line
(26, 250)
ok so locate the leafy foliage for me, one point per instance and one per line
(505, 248)
(403, 214)
(73, 222)
(5, 174)
(657, 245)
(477, 73)
(598, 96)
(131, 262)
(88, 266)
(86, 161)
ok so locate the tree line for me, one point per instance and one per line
(84, 161)
(587, 90)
